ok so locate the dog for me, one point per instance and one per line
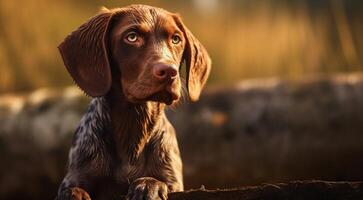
(128, 60)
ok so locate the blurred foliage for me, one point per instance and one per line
(246, 39)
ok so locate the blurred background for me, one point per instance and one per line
(284, 100)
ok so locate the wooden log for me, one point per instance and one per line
(296, 190)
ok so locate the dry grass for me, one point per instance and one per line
(246, 40)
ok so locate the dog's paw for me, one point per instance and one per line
(74, 193)
(147, 188)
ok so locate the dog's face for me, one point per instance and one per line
(139, 49)
(147, 47)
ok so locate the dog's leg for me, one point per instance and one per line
(71, 189)
(74, 193)
(147, 188)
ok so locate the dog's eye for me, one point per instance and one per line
(175, 39)
(131, 37)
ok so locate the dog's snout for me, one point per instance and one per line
(163, 71)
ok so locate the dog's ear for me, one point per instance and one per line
(198, 62)
(85, 56)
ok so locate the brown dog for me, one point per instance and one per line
(128, 60)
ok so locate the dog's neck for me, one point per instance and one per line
(132, 124)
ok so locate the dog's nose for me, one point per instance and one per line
(164, 71)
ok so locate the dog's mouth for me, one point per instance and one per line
(167, 95)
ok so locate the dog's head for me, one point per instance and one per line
(140, 49)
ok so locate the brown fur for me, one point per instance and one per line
(125, 142)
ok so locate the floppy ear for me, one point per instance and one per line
(198, 62)
(85, 56)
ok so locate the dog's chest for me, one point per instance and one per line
(149, 163)
(127, 171)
